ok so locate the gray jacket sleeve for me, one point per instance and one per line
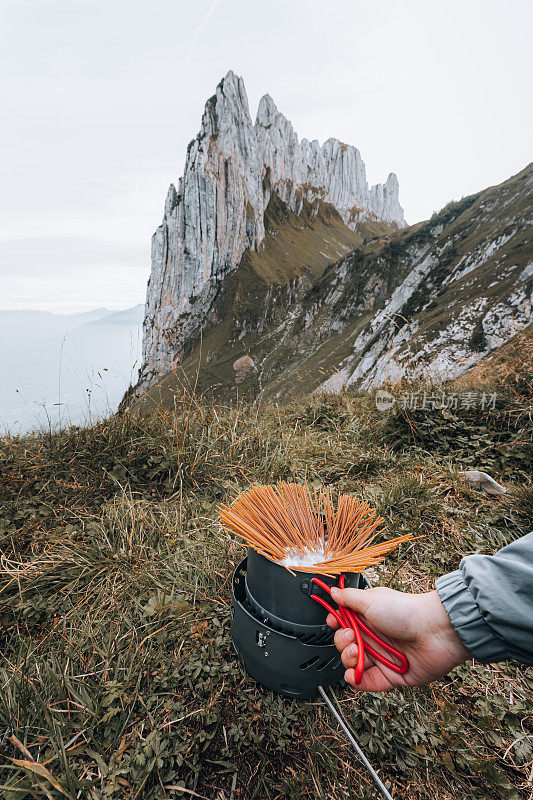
(489, 600)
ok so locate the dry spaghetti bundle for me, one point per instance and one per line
(305, 531)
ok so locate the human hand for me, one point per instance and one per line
(416, 624)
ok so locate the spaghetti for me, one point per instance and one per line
(305, 531)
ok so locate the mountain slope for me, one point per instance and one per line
(463, 287)
(430, 300)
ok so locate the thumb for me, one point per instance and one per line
(357, 599)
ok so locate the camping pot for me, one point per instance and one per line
(279, 633)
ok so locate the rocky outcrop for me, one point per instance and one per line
(233, 168)
(334, 171)
(243, 367)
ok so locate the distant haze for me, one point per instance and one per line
(61, 370)
(100, 99)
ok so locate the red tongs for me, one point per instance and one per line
(349, 619)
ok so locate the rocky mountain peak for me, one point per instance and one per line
(267, 112)
(232, 169)
(227, 108)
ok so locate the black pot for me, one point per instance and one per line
(283, 597)
(279, 633)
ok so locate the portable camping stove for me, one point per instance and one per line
(278, 628)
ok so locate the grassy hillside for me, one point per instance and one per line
(251, 312)
(117, 674)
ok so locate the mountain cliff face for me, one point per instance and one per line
(430, 300)
(234, 170)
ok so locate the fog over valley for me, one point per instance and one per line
(65, 369)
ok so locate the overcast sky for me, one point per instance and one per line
(99, 99)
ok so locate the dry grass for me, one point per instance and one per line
(117, 677)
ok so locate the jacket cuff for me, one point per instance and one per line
(476, 635)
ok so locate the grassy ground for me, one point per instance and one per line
(117, 677)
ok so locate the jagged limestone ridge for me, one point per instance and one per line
(217, 213)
